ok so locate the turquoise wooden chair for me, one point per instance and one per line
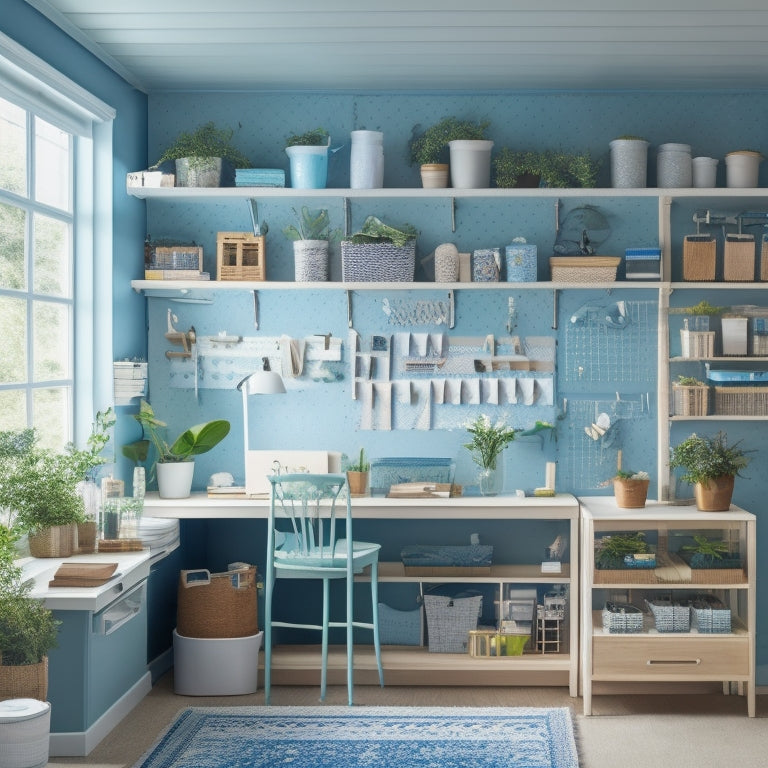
(304, 542)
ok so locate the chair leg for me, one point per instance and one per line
(350, 639)
(375, 609)
(270, 583)
(324, 665)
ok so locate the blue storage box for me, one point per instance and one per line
(643, 263)
(737, 377)
(522, 263)
(400, 627)
(387, 472)
(421, 556)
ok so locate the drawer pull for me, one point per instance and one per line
(662, 662)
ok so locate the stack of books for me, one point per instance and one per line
(259, 177)
(83, 574)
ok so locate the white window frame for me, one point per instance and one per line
(28, 81)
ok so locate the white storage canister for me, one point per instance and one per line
(366, 162)
(25, 729)
(673, 166)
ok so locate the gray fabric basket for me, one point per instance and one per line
(450, 620)
(377, 262)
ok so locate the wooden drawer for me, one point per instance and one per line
(683, 657)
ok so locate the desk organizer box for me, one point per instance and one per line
(450, 620)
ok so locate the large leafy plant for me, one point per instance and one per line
(431, 145)
(193, 441)
(705, 458)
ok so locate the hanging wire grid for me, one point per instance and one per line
(598, 352)
(588, 463)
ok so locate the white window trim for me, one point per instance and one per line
(35, 85)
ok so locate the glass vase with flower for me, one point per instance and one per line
(487, 443)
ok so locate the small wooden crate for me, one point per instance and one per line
(699, 258)
(584, 269)
(240, 256)
(739, 258)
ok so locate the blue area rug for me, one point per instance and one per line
(366, 737)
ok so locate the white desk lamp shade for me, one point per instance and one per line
(258, 383)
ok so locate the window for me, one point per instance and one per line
(55, 152)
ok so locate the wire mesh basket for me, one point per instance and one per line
(450, 620)
(622, 618)
(709, 615)
(670, 616)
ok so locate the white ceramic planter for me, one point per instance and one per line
(629, 163)
(174, 479)
(470, 163)
(366, 160)
(704, 172)
(742, 168)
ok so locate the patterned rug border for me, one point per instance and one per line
(187, 720)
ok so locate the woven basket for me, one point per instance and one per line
(699, 258)
(622, 618)
(377, 262)
(450, 620)
(739, 258)
(584, 269)
(741, 401)
(690, 400)
(670, 616)
(27, 681)
(696, 344)
(56, 541)
(217, 604)
(709, 615)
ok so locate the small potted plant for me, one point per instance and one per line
(358, 473)
(308, 155)
(487, 443)
(311, 236)
(205, 157)
(379, 252)
(174, 462)
(690, 396)
(630, 488)
(28, 629)
(711, 465)
(451, 137)
(544, 169)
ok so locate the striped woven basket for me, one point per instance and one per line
(27, 681)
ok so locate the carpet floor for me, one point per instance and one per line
(367, 737)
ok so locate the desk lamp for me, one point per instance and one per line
(263, 382)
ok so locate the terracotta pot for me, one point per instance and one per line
(28, 681)
(358, 483)
(715, 495)
(630, 494)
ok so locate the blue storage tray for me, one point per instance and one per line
(387, 472)
(737, 377)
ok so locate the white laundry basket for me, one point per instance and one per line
(25, 729)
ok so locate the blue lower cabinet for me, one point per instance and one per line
(100, 656)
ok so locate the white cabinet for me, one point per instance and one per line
(723, 651)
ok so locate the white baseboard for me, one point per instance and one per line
(80, 744)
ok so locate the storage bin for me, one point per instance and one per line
(217, 605)
(734, 335)
(584, 269)
(699, 258)
(690, 400)
(622, 618)
(377, 262)
(25, 727)
(429, 559)
(739, 258)
(741, 401)
(400, 627)
(522, 262)
(450, 620)
(709, 615)
(670, 616)
(696, 344)
(226, 666)
(642, 263)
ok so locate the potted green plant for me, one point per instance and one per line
(205, 157)
(487, 443)
(358, 473)
(630, 488)
(431, 148)
(711, 465)
(544, 169)
(311, 237)
(174, 462)
(379, 252)
(28, 629)
(308, 155)
(618, 550)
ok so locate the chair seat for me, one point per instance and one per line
(363, 554)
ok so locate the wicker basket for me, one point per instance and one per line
(699, 258)
(739, 258)
(741, 401)
(56, 541)
(709, 615)
(764, 258)
(690, 400)
(27, 681)
(217, 604)
(240, 256)
(584, 269)
(670, 616)
(622, 618)
(450, 620)
(377, 262)
(697, 344)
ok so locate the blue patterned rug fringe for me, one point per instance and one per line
(366, 737)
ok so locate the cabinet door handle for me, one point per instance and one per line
(662, 662)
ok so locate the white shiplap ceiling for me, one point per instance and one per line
(402, 45)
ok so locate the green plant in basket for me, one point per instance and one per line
(374, 230)
(611, 550)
